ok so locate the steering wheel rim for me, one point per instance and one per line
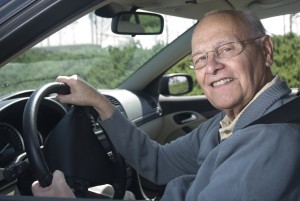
(35, 156)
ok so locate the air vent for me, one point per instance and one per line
(117, 104)
(112, 100)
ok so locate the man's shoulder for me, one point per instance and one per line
(275, 96)
(288, 112)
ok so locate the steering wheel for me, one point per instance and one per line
(77, 146)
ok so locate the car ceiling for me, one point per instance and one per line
(27, 27)
(195, 9)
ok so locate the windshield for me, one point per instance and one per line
(89, 49)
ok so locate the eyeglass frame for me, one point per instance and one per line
(215, 52)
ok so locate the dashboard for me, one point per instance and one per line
(138, 108)
(11, 128)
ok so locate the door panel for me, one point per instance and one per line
(180, 115)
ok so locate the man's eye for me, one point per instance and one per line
(201, 58)
(225, 49)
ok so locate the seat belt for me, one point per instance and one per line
(287, 113)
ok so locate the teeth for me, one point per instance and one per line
(221, 82)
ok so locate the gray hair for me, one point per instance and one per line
(255, 25)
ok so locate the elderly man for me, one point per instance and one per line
(222, 159)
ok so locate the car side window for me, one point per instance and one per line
(286, 64)
(183, 66)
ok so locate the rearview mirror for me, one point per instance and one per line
(137, 23)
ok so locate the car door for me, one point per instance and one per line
(180, 115)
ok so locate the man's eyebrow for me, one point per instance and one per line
(197, 53)
(221, 42)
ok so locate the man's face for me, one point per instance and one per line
(230, 84)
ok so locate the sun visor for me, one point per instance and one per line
(111, 9)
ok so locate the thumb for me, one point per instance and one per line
(37, 189)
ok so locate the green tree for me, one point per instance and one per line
(94, 64)
(286, 62)
(287, 58)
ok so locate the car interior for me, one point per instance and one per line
(146, 91)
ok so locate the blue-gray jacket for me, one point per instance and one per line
(260, 162)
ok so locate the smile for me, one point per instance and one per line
(221, 82)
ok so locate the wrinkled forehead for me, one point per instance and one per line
(218, 28)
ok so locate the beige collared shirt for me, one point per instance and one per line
(227, 125)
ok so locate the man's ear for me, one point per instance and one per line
(268, 50)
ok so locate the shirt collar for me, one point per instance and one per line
(227, 125)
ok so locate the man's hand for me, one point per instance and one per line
(83, 94)
(58, 187)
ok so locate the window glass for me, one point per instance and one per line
(285, 33)
(89, 49)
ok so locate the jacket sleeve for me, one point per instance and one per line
(158, 163)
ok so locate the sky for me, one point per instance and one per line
(275, 25)
(279, 25)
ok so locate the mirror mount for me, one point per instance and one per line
(137, 23)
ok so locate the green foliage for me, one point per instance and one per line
(95, 64)
(286, 62)
(151, 24)
(101, 67)
(287, 58)
(183, 66)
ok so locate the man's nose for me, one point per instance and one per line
(213, 64)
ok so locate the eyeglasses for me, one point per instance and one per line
(222, 52)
